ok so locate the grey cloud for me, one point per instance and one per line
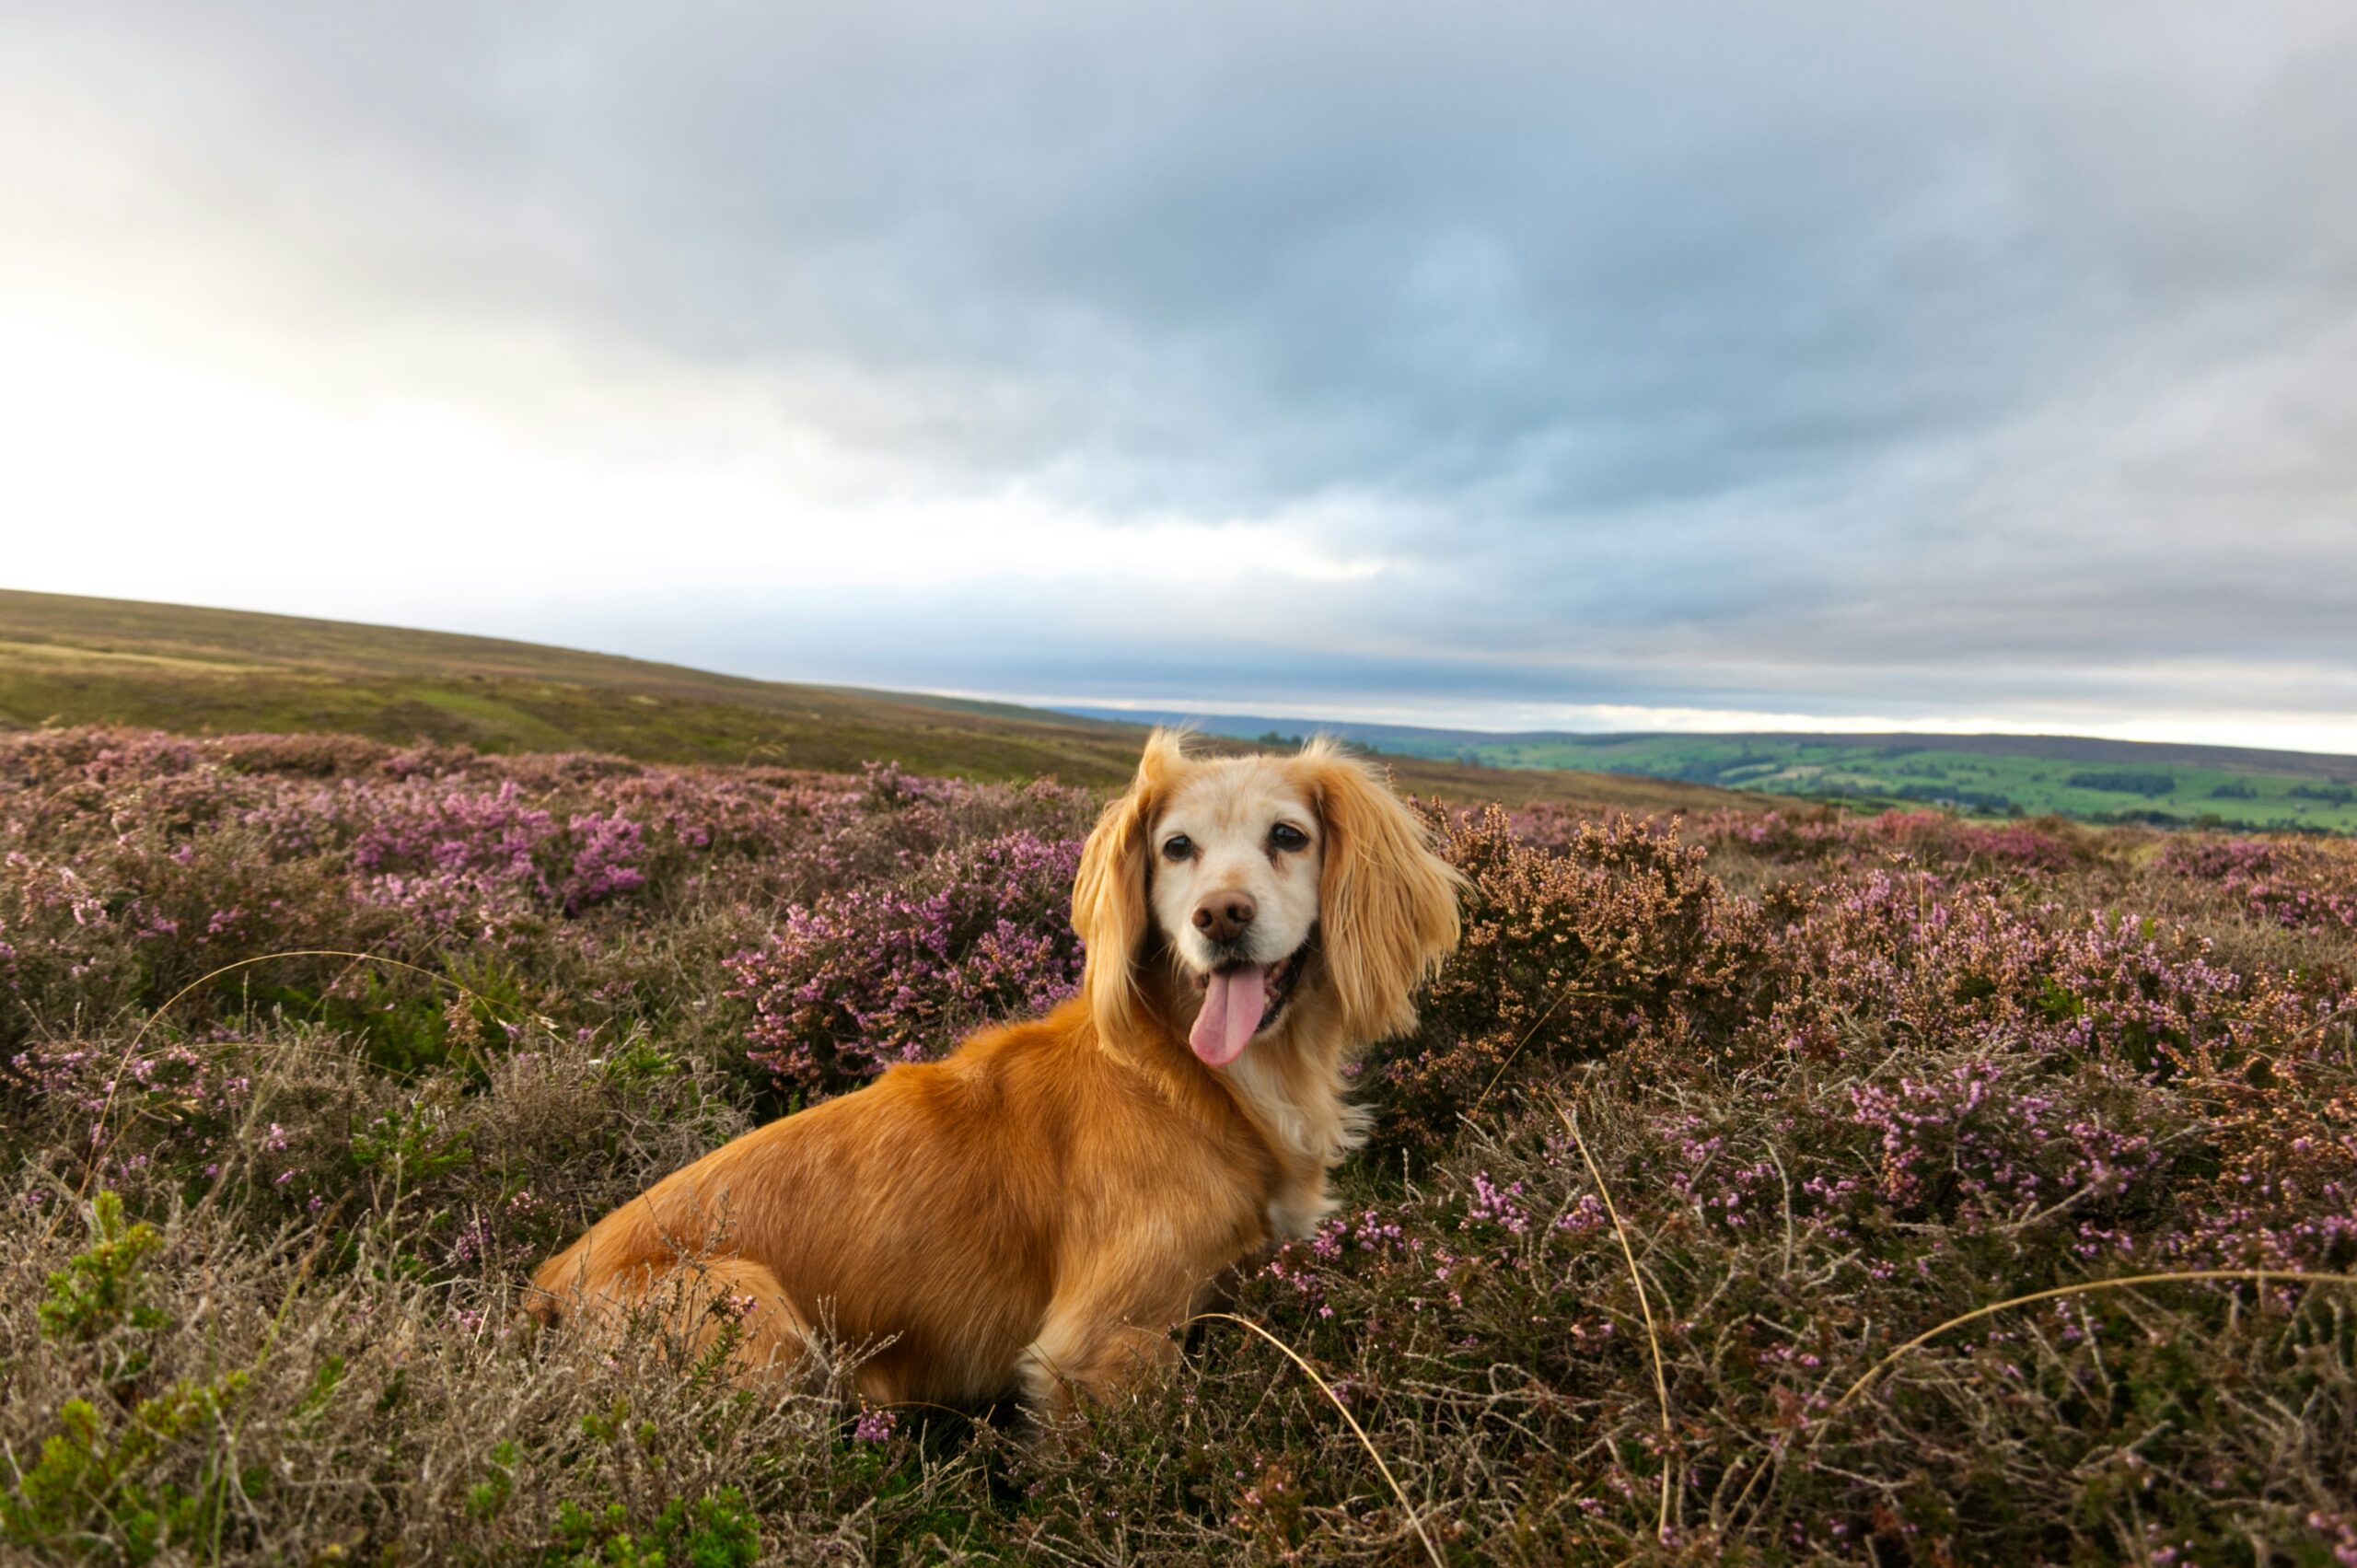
(1686, 355)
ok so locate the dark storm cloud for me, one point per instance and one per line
(1843, 357)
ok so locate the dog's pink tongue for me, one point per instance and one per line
(1231, 1013)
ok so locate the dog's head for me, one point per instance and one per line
(1263, 879)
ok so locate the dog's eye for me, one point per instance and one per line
(1284, 835)
(1178, 847)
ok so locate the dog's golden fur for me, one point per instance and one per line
(1037, 1210)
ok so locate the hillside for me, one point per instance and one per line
(72, 660)
(1998, 776)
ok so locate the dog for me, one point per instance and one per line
(1035, 1213)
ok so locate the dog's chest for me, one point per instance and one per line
(1308, 1129)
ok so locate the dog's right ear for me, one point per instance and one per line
(1109, 909)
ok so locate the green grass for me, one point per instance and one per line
(1984, 784)
(67, 660)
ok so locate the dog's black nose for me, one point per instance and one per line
(1222, 916)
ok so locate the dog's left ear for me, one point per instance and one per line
(1387, 903)
(1110, 910)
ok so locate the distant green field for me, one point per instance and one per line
(1983, 783)
(2092, 781)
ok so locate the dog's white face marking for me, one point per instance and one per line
(1235, 860)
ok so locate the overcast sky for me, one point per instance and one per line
(1962, 366)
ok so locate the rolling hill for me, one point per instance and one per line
(74, 660)
(2076, 776)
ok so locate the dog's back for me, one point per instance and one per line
(931, 1213)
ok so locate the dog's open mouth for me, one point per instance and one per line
(1240, 999)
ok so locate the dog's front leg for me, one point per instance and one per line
(1102, 1336)
(1074, 1359)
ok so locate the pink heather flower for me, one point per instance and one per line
(1498, 1207)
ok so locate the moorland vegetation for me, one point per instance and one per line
(313, 1045)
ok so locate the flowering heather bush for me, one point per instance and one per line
(872, 975)
(1919, 837)
(1616, 939)
(135, 864)
(1909, 956)
(2302, 886)
(1843, 1080)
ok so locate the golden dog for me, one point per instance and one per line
(1037, 1211)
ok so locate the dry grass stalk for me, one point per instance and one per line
(139, 1036)
(2248, 1276)
(1414, 1521)
(1645, 1304)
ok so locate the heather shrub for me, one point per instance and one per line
(1912, 960)
(295, 1409)
(901, 972)
(1931, 839)
(1843, 1080)
(1788, 1237)
(287, 1126)
(2302, 886)
(579, 889)
(1616, 940)
(904, 820)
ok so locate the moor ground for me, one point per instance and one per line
(1705, 1124)
(66, 660)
